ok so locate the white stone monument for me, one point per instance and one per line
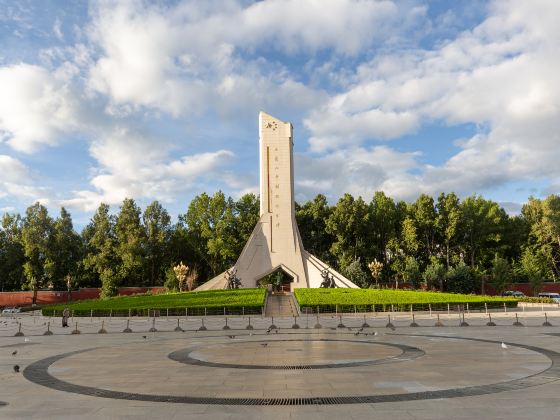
(275, 243)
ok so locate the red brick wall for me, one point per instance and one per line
(525, 288)
(46, 297)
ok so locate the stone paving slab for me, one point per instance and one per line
(132, 363)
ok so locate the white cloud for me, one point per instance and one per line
(17, 183)
(57, 29)
(12, 170)
(188, 58)
(36, 107)
(359, 171)
(501, 76)
(332, 129)
(132, 164)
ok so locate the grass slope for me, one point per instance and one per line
(250, 300)
(346, 298)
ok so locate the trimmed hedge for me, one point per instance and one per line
(347, 300)
(530, 299)
(209, 302)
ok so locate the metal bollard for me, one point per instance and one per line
(463, 322)
(178, 327)
(517, 323)
(413, 323)
(102, 329)
(438, 322)
(340, 324)
(317, 325)
(389, 323)
(202, 327)
(76, 330)
(546, 323)
(153, 329)
(19, 333)
(226, 327)
(48, 332)
(249, 326)
(365, 324)
(295, 325)
(127, 329)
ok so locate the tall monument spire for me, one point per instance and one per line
(275, 243)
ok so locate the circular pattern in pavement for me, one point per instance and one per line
(310, 354)
(38, 372)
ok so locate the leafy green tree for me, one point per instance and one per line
(312, 223)
(447, 222)
(131, 237)
(246, 215)
(102, 251)
(412, 271)
(516, 235)
(501, 274)
(533, 266)
(66, 251)
(385, 224)
(423, 212)
(356, 274)
(434, 275)
(37, 239)
(12, 256)
(482, 228)
(460, 279)
(409, 238)
(349, 223)
(211, 225)
(171, 282)
(157, 227)
(546, 232)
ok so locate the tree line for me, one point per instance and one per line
(442, 243)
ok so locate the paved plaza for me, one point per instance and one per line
(250, 370)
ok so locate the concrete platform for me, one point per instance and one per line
(406, 373)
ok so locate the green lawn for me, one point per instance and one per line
(363, 299)
(214, 301)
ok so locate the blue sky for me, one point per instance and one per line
(104, 100)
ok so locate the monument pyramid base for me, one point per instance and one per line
(313, 266)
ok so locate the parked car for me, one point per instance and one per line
(513, 293)
(11, 310)
(554, 296)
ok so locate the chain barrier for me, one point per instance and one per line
(310, 320)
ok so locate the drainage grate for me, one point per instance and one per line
(38, 373)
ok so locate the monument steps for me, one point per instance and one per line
(280, 305)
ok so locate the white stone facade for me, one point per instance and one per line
(275, 242)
